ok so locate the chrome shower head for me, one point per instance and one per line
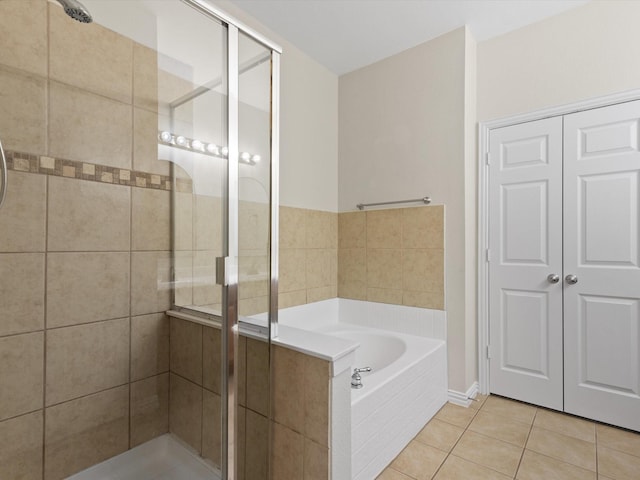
(76, 10)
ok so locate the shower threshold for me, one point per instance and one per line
(163, 458)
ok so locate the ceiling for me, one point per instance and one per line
(344, 35)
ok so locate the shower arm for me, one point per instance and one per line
(3, 170)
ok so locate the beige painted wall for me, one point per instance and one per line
(308, 125)
(586, 52)
(402, 135)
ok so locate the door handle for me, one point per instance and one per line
(553, 278)
(3, 170)
(571, 279)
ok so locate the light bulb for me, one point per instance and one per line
(213, 149)
(197, 145)
(224, 151)
(182, 141)
(256, 158)
(245, 156)
(166, 137)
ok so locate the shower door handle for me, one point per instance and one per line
(3, 171)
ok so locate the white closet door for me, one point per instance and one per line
(525, 205)
(602, 249)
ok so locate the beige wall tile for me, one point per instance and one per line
(495, 454)
(316, 461)
(85, 359)
(212, 427)
(185, 411)
(106, 56)
(292, 270)
(183, 221)
(145, 143)
(21, 374)
(434, 300)
(205, 289)
(384, 268)
(24, 129)
(253, 306)
(321, 293)
(186, 349)
(22, 287)
(183, 288)
(149, 345)
(535, 466)
(320, 267)
(85, 287)
(317, 402)
(352, 230)
(23, 219)
(86, 431)
(150, 217)
(423, 270)
(287, 385)
(563, 448)
(212, 359)
(287, 457)
(253, 226)
(21, 445)
(208, 217)
(242, 442)
(150, 282)
(618, 465)
(419, 461)
(88, 216)
(384, 295)
(252, 288)
(105, 140)
(257, 447)
(242, 370)
(258, 376)
(355, 292)
(321, 229)
(149, 408)
(24, 40)
(384, 228)
(293, 231)
(145, 77)
(440, 434)
(292, 299)
(423, 227)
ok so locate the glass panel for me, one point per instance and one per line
(254, 248)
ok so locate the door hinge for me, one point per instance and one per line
(487, 158)
(488, 351)
(488, 255)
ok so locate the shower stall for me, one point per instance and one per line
(138, 240)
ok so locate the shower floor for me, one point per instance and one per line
(163, 458)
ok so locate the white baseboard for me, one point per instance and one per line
(464, 399)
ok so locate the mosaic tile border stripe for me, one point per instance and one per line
(26, 162)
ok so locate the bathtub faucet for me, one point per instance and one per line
(356, 379)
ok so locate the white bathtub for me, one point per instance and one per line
(407, 384)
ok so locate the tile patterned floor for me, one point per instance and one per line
(497, 438)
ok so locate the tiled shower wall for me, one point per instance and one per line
(84, 245)
(393, 256)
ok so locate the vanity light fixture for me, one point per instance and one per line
(195, 145)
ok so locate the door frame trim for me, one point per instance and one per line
(484, 129)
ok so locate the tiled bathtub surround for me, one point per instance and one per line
(393, 256)
(308, 256)
(84, 342)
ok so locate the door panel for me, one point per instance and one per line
(601, 222)
(526, 236)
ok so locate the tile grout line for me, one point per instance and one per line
(524, 447)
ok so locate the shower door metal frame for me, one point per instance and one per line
(229, 320)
